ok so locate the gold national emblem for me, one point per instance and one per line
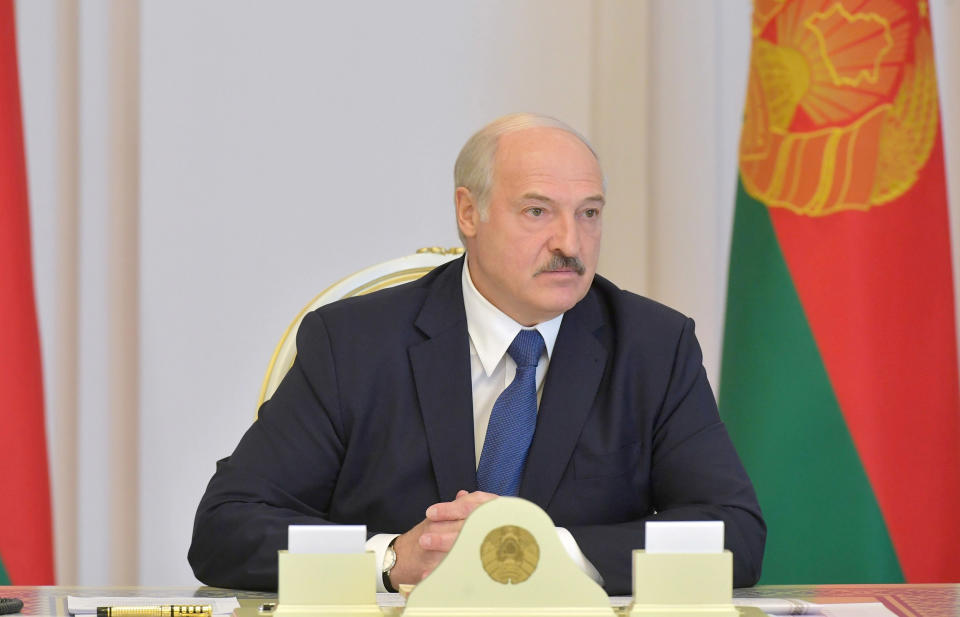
(509, 554)
(842, 105)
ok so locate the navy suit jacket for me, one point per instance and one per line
(374, 423)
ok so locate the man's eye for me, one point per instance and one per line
(534, 211)
(591, 213)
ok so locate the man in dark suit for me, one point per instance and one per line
(408, 408)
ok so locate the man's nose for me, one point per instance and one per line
(565, 237)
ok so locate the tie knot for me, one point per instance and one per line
(526, 348)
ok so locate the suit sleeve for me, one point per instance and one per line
(695, 474)
(262, 488)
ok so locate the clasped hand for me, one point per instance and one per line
(422, 548)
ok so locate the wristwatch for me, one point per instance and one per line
(389, 560)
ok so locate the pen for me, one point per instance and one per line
(176, 610)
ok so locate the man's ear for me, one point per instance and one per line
(468, 212)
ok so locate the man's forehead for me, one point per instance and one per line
(596, 198)
(546, 151)
(537, 138)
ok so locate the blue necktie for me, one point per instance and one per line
(512, 421)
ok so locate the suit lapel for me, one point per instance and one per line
(573, 378)
(441, 371)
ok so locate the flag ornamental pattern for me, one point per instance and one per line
(26, 539)
(839, 379)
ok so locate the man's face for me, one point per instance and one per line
(535, 255)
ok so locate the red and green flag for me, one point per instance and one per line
(839, 370)
(26, 544)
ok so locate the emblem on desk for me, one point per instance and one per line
(509, 554)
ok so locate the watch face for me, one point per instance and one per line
(389, 559)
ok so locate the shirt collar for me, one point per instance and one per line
(491, 330)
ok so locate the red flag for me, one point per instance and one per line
(840, 381)
(26, 537)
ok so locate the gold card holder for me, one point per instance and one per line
(682, 585)
(327, 585)
(508, 560)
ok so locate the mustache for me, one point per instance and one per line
(562, 262)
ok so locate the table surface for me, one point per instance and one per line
(904, 600)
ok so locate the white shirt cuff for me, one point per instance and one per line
(378, 544)
(573, 549)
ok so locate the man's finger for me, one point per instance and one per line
(481, 497)
(440, 536)
(443, 526)
(441, 542)
(458, 509)
(469, 502)
(444, 511)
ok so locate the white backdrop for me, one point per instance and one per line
(199, 170)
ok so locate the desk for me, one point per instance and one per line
(904, 600)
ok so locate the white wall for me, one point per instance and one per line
(298, 144)
(280, 145)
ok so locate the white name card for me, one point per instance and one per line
(684, 536)
(326, 539)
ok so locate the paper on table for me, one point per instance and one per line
(780, 606)
(390, 599)
(856, 609)
(88, 606)
(784, 606)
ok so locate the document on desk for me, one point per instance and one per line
(88, 605)
(784, 606)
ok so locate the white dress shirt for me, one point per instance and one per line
(491, 371)
(491, 367)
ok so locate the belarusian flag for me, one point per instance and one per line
(26, 547)
(839, 375)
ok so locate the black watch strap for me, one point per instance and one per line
(386, 573)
